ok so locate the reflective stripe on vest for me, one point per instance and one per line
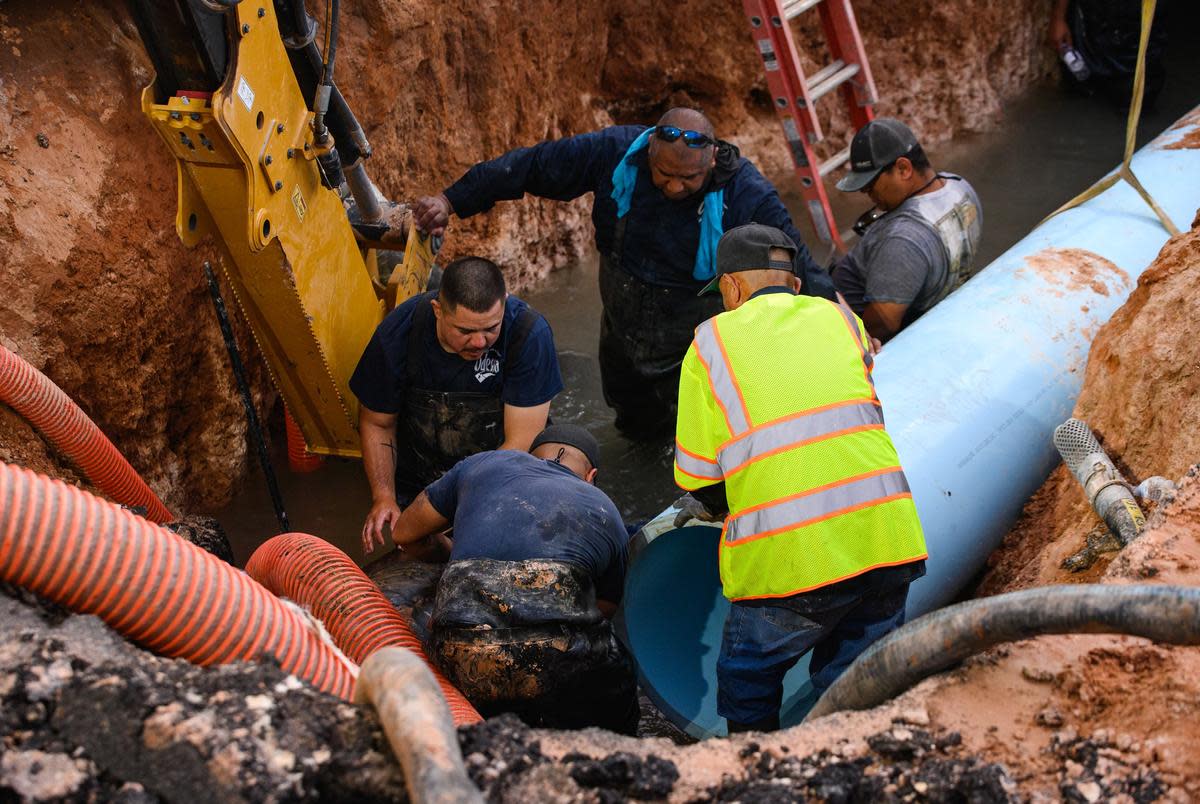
(712, 356)
(696, 466)
(816, 504)
(793, 431)
(868, 360)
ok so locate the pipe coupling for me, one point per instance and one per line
(1103, 485)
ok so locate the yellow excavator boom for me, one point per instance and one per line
(248, 176)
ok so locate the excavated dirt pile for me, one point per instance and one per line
(98, 292)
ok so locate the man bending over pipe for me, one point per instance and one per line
(919, 241)
(449, 373)
(821, 537)
(538, 562)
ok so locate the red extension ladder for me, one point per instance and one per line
(795, 95)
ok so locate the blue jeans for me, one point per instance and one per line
(761, 643)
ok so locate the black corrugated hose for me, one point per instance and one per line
(937, 641)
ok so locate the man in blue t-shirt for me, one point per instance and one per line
(448, 374)
(662, 196)
(537, 564)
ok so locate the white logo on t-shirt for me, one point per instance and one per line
(487, 366)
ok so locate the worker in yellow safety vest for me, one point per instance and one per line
(780, 432)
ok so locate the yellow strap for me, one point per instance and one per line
(1135, 113)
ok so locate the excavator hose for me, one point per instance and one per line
(418, 725)
(150, 585)
(322, 578)
(325, 87)
(48, 409)
(932, 643)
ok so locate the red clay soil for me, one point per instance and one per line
(100, 295)
(1141, 396)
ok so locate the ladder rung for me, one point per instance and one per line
(824, 73)
(829, 78)
(836, 161)
(795, 8)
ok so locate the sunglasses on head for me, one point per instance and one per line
(692, 139)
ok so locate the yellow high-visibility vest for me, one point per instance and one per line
(776, 400)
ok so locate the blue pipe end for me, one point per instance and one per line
(674, 629)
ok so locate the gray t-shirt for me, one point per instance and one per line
(906, 258)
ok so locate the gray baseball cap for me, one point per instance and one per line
(875, 147)
(748, 248)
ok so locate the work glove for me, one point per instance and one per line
(690, 508)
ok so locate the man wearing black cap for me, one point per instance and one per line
(918, 243)
(537, 562)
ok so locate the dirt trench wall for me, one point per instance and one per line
(98, 292)
(1141, 396)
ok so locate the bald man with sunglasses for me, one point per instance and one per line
(663, 195)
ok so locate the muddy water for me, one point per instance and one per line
(1049, 147)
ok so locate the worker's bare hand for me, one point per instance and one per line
(383, 514)
(876, 345)
(433, 214)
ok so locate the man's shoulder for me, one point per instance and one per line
(404, 311)
(514, 306)
(745, 191)
(623, 133)
(614, 139)
(745, 177)
(958, 181)
(793, 301)
(495, 460)
(518, 311)
(904, 225)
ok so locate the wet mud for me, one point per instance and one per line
(85, 716)
(902, 764)
(505, 760)
(206, 533)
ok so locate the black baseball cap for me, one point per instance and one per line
(573, 436)
(748, 248)
(876, 146)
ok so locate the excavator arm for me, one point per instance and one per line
(303, 238)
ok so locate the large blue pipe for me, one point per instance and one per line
(971, 394)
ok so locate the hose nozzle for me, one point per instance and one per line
(1103, 485)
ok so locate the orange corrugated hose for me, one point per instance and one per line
(45, 406)
(321, 577)
(300, 460)
(150, 585)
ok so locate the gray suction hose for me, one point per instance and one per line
(932, 643)
(418, 726)
(1103, 485)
